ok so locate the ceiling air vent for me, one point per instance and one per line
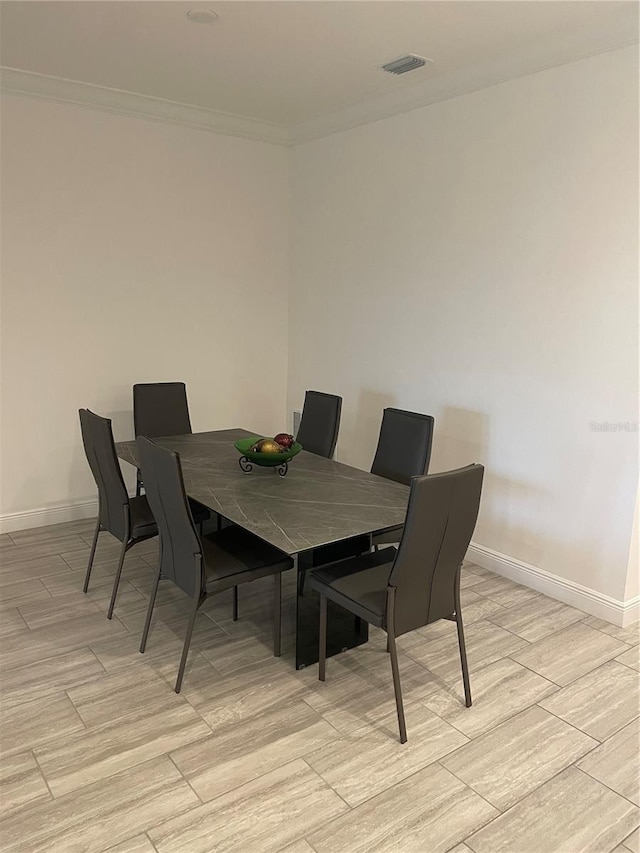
(406, 63)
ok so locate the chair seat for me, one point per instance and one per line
(388, 537)
(358, 584)
(143, 524)
(233, 556)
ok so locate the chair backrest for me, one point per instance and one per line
(404, 445)
(100, 450)
(441, 517)
(180, 546)
(161, 409)
(320, 422)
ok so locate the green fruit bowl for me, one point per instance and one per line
(265, 460)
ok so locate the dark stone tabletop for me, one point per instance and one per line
(318, 502)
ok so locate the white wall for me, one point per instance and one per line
(478, 260)
(133, 251)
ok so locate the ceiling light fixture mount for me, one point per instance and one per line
(202, 16)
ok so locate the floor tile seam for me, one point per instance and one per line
(63, 619)
(535, 788)
(76, 569)
(399, 781)
(42, 774)
(475, 669)
(150, 708)
(22, 617)
(298, 839)
(14, 562)
(623, 726)
(606, 634)
(285, 763)
(477, 793)
(200, 800)
(136, 834)
(539, 675)
(572, 725)
(628, 665)
(59, 693)
(39, 539)
(508, 630)
(489, 598)
(484, 731)
(609, 788)
(111, 772)
(578, 677)
(89, 680)
(331, 788)
(551, 633)
(146, 835)
(10, 577)
(4, 669)
(365, 725)
(323, 717)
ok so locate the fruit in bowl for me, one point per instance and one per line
(284, 440)
(267, 445)
(265, 452)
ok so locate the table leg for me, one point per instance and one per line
(343, 630)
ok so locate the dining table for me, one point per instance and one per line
(320, 511)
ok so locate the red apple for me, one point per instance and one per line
(284, 440)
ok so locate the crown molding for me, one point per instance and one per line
(29, 84)
(454, 84)
(538, 58)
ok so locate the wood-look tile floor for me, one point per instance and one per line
(99, 753)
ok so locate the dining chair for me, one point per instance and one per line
(160, 409)
(320, 422)
(417, 584)
(128, 519)
(403, 452)
(201, 565)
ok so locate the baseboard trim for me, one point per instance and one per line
(48, 515)
(595, 603)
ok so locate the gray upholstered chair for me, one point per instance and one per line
(200, 566)
(403, 452)
(128, 519)
(320, 422)
(419, 583)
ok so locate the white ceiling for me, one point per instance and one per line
(291, 63)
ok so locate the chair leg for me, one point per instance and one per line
(235, 604)
(116, 582)
(277, 614)
(147, 621)
(322, 650)
(185, 648)
(395, 670)
(463, 661)
(393, 654)
(85, 585)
